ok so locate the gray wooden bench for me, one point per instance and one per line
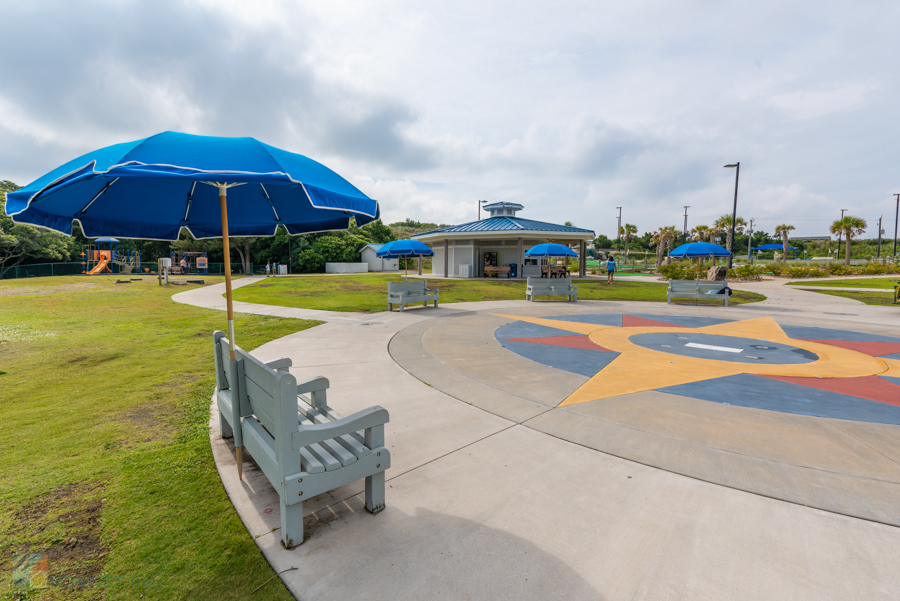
(700, 289)
(549, 287)
(404, 293)
(304, 447)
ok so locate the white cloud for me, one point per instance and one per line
(571, 109)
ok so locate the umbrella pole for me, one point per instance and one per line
(223, 205)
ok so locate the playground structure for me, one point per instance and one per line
(104, 256)
(197, 262)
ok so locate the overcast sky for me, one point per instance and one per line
(570, 108)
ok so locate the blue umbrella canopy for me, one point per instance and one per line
(404, 248)
(151, 188)
(550, 250)
(699, 249)
(773, 247)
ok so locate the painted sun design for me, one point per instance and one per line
(720, 360)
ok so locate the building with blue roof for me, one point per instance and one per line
(500, 239)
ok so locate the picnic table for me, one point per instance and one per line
(554, 271)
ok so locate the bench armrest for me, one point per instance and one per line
(282, 363)
(361, 420)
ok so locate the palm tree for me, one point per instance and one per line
(849, 227)
(662, 238)
(723, 223)
(782, 230)
(701, 233)
(627, 231)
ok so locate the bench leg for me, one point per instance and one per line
(390, 307)
(401, 307)
(225, 427)
(375, 493)
(291, 524)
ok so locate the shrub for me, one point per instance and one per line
(747, 272)
(678, 272)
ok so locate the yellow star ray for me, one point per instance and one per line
(638, 369)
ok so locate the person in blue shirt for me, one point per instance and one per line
(610, 269)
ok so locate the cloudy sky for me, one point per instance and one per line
(571, 108)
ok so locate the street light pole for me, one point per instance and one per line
(737, 177)
(840, 235)
(480, 202)
(750, 242)
(619, 229)
(879, 235)
(684, 238)
(896, 215)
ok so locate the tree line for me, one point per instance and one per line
(663, 239)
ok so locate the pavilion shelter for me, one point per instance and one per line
(501, 239)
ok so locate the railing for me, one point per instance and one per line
(39, 270)
(42, 270)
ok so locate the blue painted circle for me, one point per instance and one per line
(743, 350)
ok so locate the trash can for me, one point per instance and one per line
(513, 270)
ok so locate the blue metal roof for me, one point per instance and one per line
(499, 224)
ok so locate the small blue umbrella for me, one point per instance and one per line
(550, 249)
(404, 248)
(154, 187)
(699, 249)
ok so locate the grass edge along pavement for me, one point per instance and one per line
(368, 293)
(864, 296)
(886, 283)
(105, 461)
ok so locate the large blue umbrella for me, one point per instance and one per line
(550, 249)
(151, 188)
(404, 248)
(699, 249)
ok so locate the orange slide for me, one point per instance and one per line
(103, 257)
(100, 267)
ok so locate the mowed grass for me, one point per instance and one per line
(869, 298)
(105, 462)
(886, 283)
(368, 293)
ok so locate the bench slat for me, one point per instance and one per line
(334, 447)
(260, 400)
(353, 442)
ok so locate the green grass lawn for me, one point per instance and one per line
(886, 283)
(870, 298)
(368, 293)
(105, 462)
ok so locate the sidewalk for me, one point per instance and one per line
(482, 507)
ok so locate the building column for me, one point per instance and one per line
(446, 258)
(582, 259)
(420, 265)
(520, 259)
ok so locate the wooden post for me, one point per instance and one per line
(223, 207)
(582, 259)
(520, 259)
(446, 258)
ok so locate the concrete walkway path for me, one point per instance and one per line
(482, 507)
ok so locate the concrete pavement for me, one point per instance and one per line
(488, 501)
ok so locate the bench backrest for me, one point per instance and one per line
(555, 282)
(696, 285)
(268, 395)
(414, 286)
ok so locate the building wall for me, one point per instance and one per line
(376, 263)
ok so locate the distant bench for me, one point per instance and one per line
(304, 447)
(548, 287)
(492, 269)
(403, 293)
(700, 289)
